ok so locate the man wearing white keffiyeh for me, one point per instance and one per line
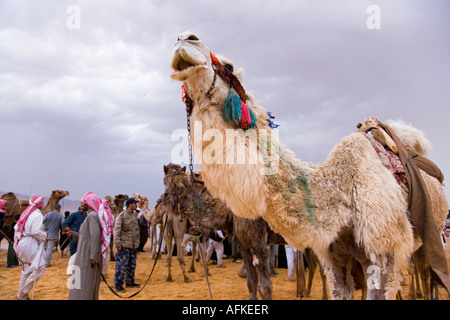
(95, 235)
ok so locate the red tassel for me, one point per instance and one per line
(214, 59)
(183, 93)
(246, 120)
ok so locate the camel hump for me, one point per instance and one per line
(412, 138)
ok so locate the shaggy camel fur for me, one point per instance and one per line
(349, 206)
(253, 236)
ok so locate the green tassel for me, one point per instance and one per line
(253, 124)
(232, 108)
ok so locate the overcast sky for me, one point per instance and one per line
(87, 102)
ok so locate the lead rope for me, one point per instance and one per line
(196, 229)
(148, 278)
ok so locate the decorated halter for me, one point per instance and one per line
(235, 111)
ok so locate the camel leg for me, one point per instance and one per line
(202, 254)
(252, 277)
(194, 248)
(261, 263)
(359, 279)
(324, 283)
(179, 230)
(272, 259)
(170, 247)
(180, 257)
(425, 277)
(340, 281)
(422, 268)
(412, 279)
(312, 264)
(154, 241)
(383, 281)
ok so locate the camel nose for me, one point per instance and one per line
(187, 36)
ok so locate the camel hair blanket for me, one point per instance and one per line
(419, 206)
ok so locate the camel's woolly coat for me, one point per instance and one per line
(309, 204)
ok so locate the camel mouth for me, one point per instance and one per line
(182, 64)
(186, 62)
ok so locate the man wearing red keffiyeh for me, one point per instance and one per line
(29, 245)
(95, 233)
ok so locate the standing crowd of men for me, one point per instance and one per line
(88, 232)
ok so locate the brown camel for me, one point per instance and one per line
(156, 219)
(253, 236)
(15, 206)
(54, 199)
(182, 215)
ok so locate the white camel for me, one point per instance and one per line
(347, 206)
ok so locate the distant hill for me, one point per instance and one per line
(66, 203)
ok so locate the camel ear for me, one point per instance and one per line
(165, 169)
(184, 169)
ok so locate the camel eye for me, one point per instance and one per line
(193, 38)
(229, 67)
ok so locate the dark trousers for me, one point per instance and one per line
(125, 266)
(73, 247)
(11, 258)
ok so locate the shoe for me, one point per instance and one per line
(133, 285)
(221, 266)
(119, 288)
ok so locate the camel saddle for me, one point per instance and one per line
(420, 208)
(379, 133)
(429, 167)
(419, 203)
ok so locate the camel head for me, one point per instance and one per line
(175, 177)
(111, 204)
(143, 200)
(9, 196)
(119, 200)
(191, 57)
(198, 68)
(59, 194)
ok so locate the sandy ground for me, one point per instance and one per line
(224, 282)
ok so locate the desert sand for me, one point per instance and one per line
(224, 283)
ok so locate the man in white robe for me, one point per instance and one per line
(29, 240)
